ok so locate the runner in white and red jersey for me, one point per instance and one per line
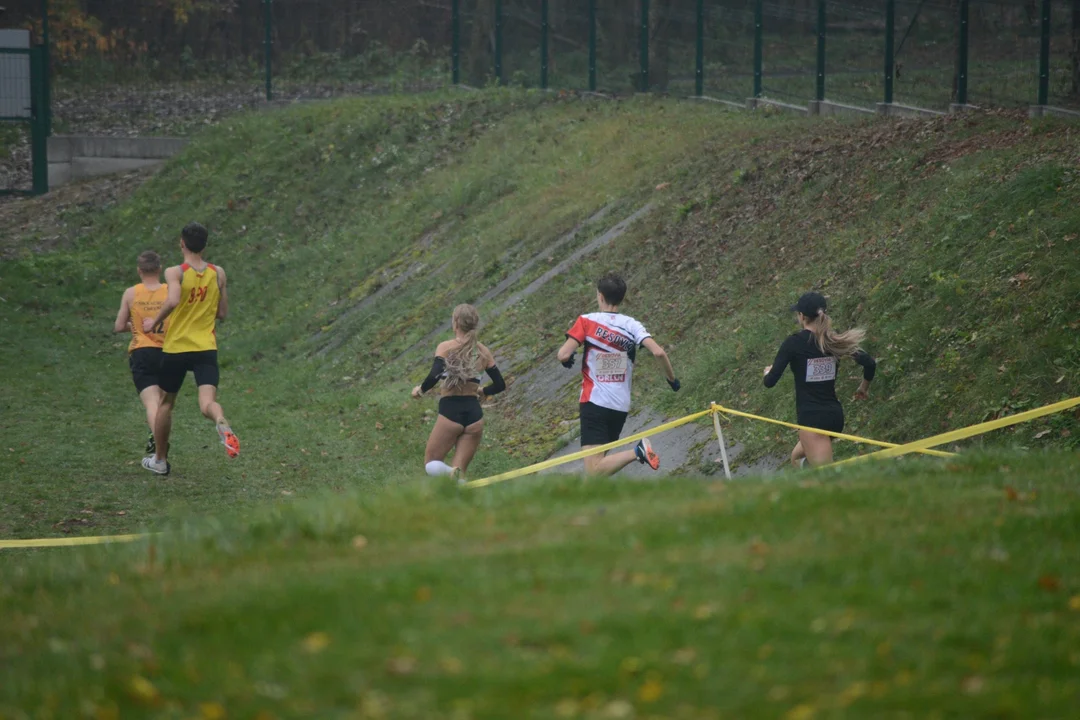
(611, 341)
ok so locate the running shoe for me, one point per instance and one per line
(151, 446)
(229, 440)
(157, 467)
(645, 454)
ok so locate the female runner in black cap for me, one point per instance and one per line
(813, 353)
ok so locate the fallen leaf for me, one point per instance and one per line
(423, 594)
(618, 709)
(451, 666)
(403, 665)
(1040, 435)
(315, 643)
(211, 711)
(663, 186)
(972, 685)
(650, 692)
(143, 690)
(800, 712)
(378, 426)
(1050, 583)
(359, 542)
(1011, 493)
(1074, 603)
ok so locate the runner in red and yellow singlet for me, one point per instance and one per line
(144, 351)
(197, 299)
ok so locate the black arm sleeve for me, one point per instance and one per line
(497, 383)
(437, 369)
(868, 363)
(783, 357)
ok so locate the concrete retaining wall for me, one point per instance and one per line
(75, 157)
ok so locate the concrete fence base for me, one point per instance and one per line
(827, 108)
(1037, 111)
(755, 103)
(76, 157)
(906, 111)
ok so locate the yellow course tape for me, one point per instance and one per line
(964, 433)
(555, 462)
(892, 450)
(854, 438)
(69, 541)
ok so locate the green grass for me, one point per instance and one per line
(896, 588)
(913, 589)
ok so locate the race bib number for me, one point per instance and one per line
(610, 367)
(820, 369)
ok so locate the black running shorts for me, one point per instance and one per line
(600, 425)
(465, 410)
(145, 364)
(175, 366)
(828, 417)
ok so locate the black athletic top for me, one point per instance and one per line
(438, 372)
(814, 371)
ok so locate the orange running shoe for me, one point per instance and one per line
(229, 440)
(645, 454)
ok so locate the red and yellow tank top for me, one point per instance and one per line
(146, 304)
(192, 323)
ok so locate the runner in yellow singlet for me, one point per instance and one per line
(144, 352)
(196, 300)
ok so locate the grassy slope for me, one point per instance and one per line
(887, 592)
(954, 241)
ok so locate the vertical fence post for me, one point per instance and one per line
(47, 67)
(820, 51)
(759, 19)
(592, 45)
(962, 55)
(268, 21)
(699, 75)
(39, 137)
(644, 51)
(1044, 55)
(890, 55)
(455, 42)
(544, 44)
(498, 42)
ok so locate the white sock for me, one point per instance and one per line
(438, 467)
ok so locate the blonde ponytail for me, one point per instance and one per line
(462, 363)
(839, 345)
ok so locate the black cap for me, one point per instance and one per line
(810, 304)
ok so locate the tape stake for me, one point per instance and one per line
(720, 439)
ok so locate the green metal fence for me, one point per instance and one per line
(23, 121)
(139, 62)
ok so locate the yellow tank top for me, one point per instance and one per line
(146, 304)
(192, 323)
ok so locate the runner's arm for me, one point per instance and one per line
(497, 383)
(661, 355)
(774, 372)
(438, 367)
(223, 301)
(123, 318)
(566, 352)
(173, 278)
(869, 370)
